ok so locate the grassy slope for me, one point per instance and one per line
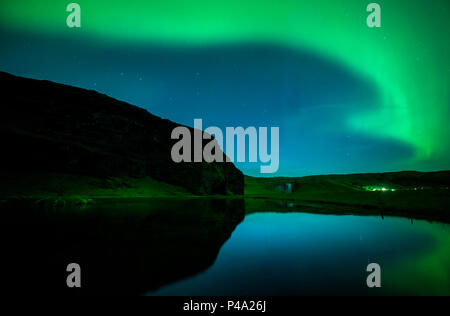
(49, 185)
(424, 195)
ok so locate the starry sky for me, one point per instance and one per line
(347, 98)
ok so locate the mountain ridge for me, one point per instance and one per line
(50, 127)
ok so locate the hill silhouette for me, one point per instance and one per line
(48, 130)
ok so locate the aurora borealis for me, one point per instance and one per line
(347, 98)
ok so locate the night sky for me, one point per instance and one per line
(347, 98)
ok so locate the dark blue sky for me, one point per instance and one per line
(255, 84)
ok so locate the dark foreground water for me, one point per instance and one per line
(216, 247)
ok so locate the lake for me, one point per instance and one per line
(220, 247)
(304, 254)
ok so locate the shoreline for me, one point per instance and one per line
(253, 205)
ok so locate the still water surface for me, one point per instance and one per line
(221, 247)
(300, 253)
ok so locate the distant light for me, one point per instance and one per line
(378, 189)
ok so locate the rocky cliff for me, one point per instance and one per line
(51, 127)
